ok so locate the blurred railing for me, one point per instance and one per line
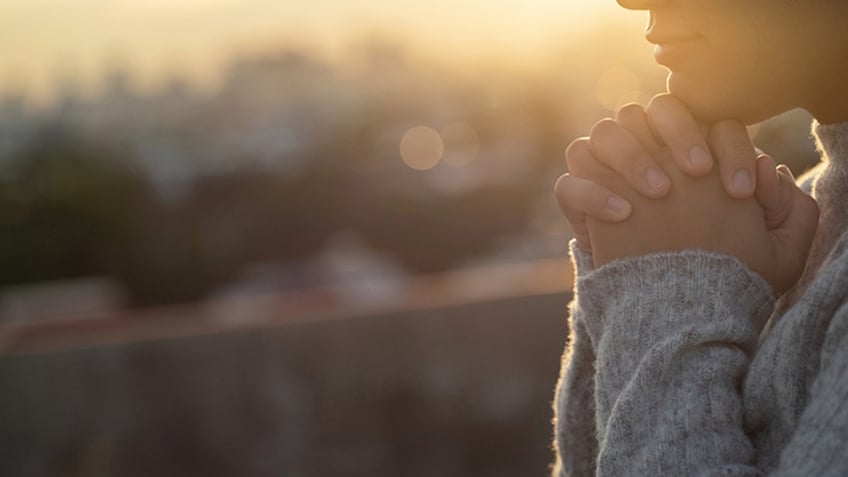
(452, 375)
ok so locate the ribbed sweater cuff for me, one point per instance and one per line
(583, 262)
(653, 293)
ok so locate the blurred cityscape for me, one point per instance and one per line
(297, 173)
(321, 267)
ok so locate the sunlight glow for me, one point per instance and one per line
(44, 41)
(616, 87)
(462, 144)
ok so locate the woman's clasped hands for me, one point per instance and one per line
(654, 180)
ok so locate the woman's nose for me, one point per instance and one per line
(641, 4)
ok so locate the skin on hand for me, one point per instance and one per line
(726, 59)
(579, 198)
(628, 144)
(772, 238)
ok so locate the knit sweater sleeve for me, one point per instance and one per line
(817, 446)
(574, 403)
(671, 336)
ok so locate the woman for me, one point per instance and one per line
(709, 330)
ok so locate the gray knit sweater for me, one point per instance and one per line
(683, 364)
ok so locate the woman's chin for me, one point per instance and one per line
(710, 103)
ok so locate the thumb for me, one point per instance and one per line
(774, 192)
(802, 216)
(579, 198)
(795, 234)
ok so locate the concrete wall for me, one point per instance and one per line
(457, 391)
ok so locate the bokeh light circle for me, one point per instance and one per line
(421, 148)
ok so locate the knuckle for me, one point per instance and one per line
(663, 105)
(577, 146)
(629, 111)
(566, 186)
(561, 185)
(576, 152)
(603, 128)
(613, 148)
(671, 118)
(571, 195)
(661, 101)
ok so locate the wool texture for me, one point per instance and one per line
(683, 363)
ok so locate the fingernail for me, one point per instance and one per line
(742, 182)
(655, 179)
(699, 158)
(785, 169)
(618, 206)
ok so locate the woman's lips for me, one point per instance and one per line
(673, 53)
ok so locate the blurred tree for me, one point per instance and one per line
(72, 209)
(438, 232)
(291, 151)
(65, 209)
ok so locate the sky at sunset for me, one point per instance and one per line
(42, 40)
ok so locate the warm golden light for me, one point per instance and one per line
(462, 144)
(617, 86)
(421, 148)
(43, 42)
